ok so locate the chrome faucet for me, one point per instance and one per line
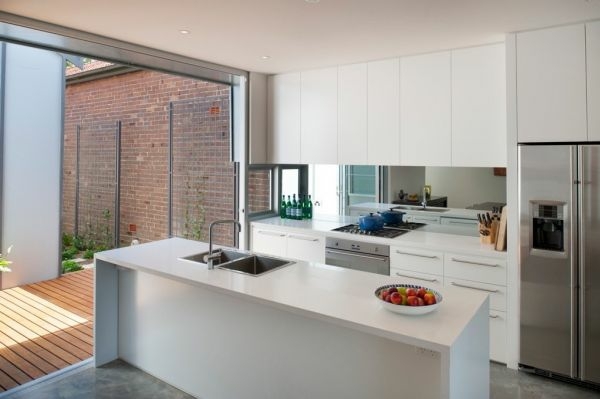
(210, 258)
(424, 201)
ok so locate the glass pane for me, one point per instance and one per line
(289, 181)
(324, 189)
(259, 190)
(362, 180)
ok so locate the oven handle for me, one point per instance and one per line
(347, 253)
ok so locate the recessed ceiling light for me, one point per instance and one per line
(184, 31)
(265, 57)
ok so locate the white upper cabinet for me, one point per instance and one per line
(284, 118)
(593, 79)
(352, 114)
(551, 85)
(318, 120)
(383, 82)
(479, 106)
(425, 110)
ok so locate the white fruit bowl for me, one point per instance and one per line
(405, 309)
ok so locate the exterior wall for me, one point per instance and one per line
(201, 148)
(259, 191)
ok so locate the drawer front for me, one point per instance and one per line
(475, 268)
(427, 219)
(270, 242)
(418, 260)
(498, 336)
(306, 248)
(459, 222)
(497, 292)
(408, 276)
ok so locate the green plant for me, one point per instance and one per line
(88, 254)
(4, 263)
(69, 253)
(194, 213)
(69, 266)
(67, 240)
(79, 243)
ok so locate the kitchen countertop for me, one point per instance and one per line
(450, 213)
(431, 236)
(338, 295)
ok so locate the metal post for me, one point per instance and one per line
(117, 184)
(77, 141)
(170, 193)
(2, 93)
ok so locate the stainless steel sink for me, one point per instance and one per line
(255, 265)
(241, 262)
(225, 255)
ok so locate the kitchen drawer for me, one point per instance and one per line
(418, 260)
(411, 277)
(498, 336)
(497, 292)
(306, 247)
(458, 222)
(423, 218)
(269, 242)
(475, 268)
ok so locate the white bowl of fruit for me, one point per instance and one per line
(408, 298)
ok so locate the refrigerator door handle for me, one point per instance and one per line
(576, 162)
(580, 278)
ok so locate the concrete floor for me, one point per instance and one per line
(120, 380)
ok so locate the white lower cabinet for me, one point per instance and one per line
(427, 219)
(497, 292)
(461, 222)
(305, 247)
(417, 260)
(409, 276)
(269, 242)
(498, 336)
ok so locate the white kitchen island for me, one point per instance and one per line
(304, 331)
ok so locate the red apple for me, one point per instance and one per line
(429, 299)
(395, 298)
(411, 292)
(421, 292)
(388, 298)
(412, 300)
(420, 301)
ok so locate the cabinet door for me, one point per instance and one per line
(449, 221)
(593, 80)
(304, 247)
(498, 336)
(270, 242)
(318, 116)
(551, 85)
(284, 118)
(422, 218)
(425, 110)
(352, 114)
(475, 268)
(479, 106)
(417, 260)
(383, 102)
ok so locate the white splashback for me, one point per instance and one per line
(33, 124)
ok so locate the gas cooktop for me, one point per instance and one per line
(388, 231)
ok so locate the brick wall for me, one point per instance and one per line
(203, 177)
(259, 190)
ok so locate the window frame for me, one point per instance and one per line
(274, 209)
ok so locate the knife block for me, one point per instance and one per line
(487, 235)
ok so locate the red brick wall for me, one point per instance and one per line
(259, 191)
(140, 100)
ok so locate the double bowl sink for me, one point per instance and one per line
(240, 262)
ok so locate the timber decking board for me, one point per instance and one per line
(45, 327)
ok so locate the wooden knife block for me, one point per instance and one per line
(492, 232)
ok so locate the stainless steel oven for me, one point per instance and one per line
(358, 255)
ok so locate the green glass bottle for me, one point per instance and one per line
(304, 207)
(294, 208)
(288, 209)
(309, 210)
(282, 208)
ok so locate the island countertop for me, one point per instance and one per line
(329, 293)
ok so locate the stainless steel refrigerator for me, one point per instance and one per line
(559, 207)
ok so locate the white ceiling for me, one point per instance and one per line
(298, 35)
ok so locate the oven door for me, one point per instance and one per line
(357, 261)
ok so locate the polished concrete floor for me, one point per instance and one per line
(120, 380)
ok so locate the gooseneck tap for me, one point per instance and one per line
(424, 201)
(211, 257)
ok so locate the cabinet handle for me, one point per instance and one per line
(417, 255)
(469, 223)
(270, 233)
(431, 280)
(494, 316)
(470, 262)
(474, 288)
(304, 238)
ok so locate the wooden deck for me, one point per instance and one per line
(45, 327)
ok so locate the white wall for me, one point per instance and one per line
(33, 124)
(466, 186)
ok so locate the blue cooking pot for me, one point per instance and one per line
(392, 217)
(370, 222)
